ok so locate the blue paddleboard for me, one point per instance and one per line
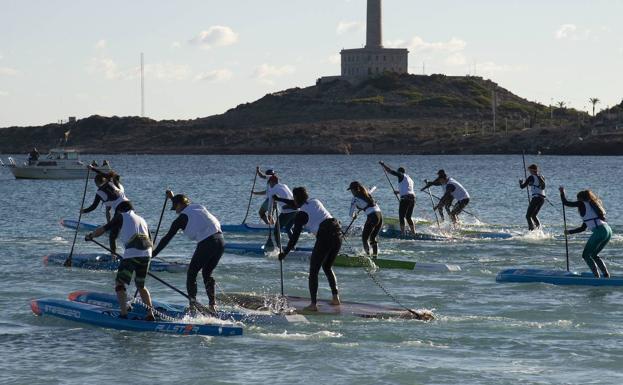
(556, 277)
(105, 261)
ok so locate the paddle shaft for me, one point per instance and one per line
(278, 240)
(390, 184)
(164, 206)
(433, 207)
(525, 173)
(165, 283)
(564, 219)
(84, 194)
(250, 198)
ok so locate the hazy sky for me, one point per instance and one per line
(61, 58)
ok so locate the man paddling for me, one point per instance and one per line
(111, 193)
(536, 183)
(199, 225)
(453, 190)
(134, 233)
(407, 197)
(314, 216)
(264, 210)
(286, 212)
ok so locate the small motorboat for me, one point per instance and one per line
(59, 163)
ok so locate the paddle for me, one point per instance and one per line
(84, 193)
(202, 308)
(389, 180)
(564, 219)
(250, 197)
(278, 240)
(525, 172)
(432, 204)
(164, 206)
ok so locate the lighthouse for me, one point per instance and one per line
(373, 60)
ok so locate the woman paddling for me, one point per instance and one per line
(536, 182)
(594, 218)
(313, 215)
(407, 197)
(362, 201)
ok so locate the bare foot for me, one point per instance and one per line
(311, 307)
(335, 301)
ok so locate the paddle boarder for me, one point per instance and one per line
(263, 212)
(593, 215)
(363, 201)
(33, 156)
(134, 234)
(111, 193)
(407, 197)
(453, 190)
(536, 183)
(286, 212)
(314, 216)
(437, 182)
(199, 225)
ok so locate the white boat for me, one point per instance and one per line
(57, 164)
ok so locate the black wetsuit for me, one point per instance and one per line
(326, 249)
(205, 258)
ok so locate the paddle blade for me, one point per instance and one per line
(67, 262)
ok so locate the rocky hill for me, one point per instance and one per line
(388, 114)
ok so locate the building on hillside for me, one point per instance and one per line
(361, 63)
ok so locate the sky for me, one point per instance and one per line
(61, 58)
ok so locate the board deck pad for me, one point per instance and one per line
(351, 309)
(556, 277)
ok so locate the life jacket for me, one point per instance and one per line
(316, 214)
(361, 204)
(282, 191)
(405, 186)
(201, 223)
(591, 216)
(134, 234)
(459, 192)
(111, 195)
(537, 185)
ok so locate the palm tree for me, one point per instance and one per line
(594, 101)
(561, 105)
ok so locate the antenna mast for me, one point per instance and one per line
(142, 87)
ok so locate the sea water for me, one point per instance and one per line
(485, 332)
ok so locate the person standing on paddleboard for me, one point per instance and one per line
(264, 211)
(111, 193)
(363, 201)
(315, 217)
(134, 233)
(286, 212)
(407, 197)
(453, 190)
(202, 227)
(438, 182)
(536, 182)
(593, 215)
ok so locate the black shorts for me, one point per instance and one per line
(128, 266)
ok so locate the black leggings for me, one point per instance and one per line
(326, 249)
(458, 208)
(533, 210)
(405, 209)
(206, 257)
(370, 231)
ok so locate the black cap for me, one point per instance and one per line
(179, 198)
(270, 171)
(401, 169)
(441, 173)
(124, 207)
(353, 185)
